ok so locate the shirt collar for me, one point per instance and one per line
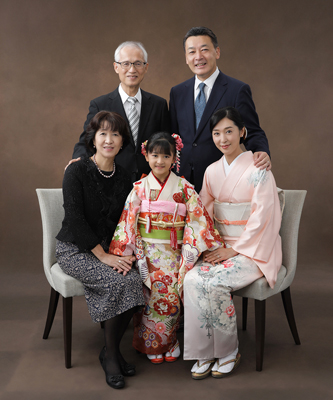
(124, 96)
(209, 81)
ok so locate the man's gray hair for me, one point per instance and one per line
(130, 44)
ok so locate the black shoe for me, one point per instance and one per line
(128, 369)
(115, 381)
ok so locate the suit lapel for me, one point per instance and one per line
(146, 108)
(116, 105)
(219, 88)
(189, 103)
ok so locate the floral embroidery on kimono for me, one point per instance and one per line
(167, 228)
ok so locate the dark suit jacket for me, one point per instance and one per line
(154, 117)
(199, 149)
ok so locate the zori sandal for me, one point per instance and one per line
(156, 358)
(201, 371)
(217, 374)
(173, 354)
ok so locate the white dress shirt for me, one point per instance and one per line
(209, 82)
(127, 105)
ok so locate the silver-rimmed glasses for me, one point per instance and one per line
(127, 64)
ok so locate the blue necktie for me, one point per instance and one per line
(200, 104)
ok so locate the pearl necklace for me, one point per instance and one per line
(104, 176)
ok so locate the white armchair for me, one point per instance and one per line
(52, 213)
(260, 290)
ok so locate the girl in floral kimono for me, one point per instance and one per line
(244, 203)
(165, 224)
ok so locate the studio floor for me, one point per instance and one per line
(32, 368)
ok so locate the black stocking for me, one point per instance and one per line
(114, 330)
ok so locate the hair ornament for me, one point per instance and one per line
(144, 147)
(179, 146)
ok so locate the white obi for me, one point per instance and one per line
(231, 218)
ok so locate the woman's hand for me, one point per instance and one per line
(120, 264)
(219, 255)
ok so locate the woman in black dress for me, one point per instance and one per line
(95, 190)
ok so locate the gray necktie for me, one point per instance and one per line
(133, 118)
(200, 104)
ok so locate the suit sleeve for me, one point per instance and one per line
(80, 149)
(173, 113)
(165, 119)
(256, 139)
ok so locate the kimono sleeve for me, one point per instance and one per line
(199, 234)
(262, 229)
(206, 195)
(123, 241)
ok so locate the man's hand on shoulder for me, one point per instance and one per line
(71, 161)
(262, 160)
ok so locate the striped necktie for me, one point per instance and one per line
(133, 118)
(200, 104)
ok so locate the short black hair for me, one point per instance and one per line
(162, 143)
(111, 120)
(201, 31)
(227, 112)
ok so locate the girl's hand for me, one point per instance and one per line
(219, 255)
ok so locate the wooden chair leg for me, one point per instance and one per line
(244, 312)
(53, 303)
(67, 324)
(288, 308)
(260, 314)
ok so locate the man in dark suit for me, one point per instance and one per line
(144, 112)
(190, 119)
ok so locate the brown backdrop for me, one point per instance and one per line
(57, 55)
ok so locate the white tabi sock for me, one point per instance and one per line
(228, 367)
(199, 367)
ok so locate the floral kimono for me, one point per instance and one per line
(246, 210)
(167, 228)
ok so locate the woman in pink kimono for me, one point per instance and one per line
(244, 203)
(166, 226)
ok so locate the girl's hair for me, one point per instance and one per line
(162, 143)
(109, 120)
(227, 112)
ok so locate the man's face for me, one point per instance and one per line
(130, 78)
(201, 56)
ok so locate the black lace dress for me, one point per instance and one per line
(93, 205)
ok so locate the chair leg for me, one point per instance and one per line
(53, 303)
(67, 323)
(288, 308)
(260, 315)
(244, 312)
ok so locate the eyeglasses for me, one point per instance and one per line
(127, 64)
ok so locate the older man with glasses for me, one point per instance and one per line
(144, 112)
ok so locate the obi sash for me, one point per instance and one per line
(166, 219)
(231, 218)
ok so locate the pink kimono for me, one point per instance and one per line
(246, 211)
